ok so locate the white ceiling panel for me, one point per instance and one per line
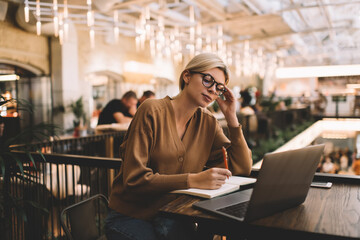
(307, 32)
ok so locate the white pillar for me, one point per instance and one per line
(65, 76)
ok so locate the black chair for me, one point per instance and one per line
(85, 220)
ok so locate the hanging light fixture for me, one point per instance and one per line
(38, 22)
(56, 18)
(116, 26)
(92, 37)
(61, 29)
(26, 11)
(88, 13)
(150, 26)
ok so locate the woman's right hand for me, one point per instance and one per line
(212, 178)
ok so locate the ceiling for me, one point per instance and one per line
(293, 32)
(310, 32)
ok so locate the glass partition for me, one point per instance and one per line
(342, 145)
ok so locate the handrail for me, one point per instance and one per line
(104, 145)
(88, 161)
(56, 141)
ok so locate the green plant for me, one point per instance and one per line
(268, 103)
(279, 138)
(12, 168)
(77, 108)
(288, 101)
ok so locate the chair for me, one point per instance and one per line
(84, 220)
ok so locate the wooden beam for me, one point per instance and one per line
(307, 25)
(208, 8)
(301, 6)
(310, 31)
(128, 3)
(244, 10)
(252, 7)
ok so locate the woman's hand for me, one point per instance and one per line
(212, 178)
(228, 107)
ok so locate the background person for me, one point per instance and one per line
(119, 111)
(328, 166)
(166, 148)
(248, 111)
(146, 95)
(320, 104)
(356, 163)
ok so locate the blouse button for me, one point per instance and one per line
(181, 159)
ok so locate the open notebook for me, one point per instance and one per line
(232, 184)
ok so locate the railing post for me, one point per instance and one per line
(109, 148)
(7, 210)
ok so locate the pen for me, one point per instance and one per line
(225, 159)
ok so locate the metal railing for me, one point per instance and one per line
(73, 170)
(267, 122)
(53, 185)
(103, 145)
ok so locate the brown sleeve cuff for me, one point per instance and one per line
(235, 134)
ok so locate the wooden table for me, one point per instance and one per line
(114, 127)
(326, 214)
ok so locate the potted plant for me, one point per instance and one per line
(12, 167)
(77, 108)
(269, 104)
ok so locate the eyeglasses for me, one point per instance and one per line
(208, 81)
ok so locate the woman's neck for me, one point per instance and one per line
(183, 108)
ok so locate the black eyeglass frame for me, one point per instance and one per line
(222, 91)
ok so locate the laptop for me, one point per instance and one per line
(283, 182)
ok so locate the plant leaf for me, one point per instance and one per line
(20, 212)
(25, 105)
(37, 205)
(2, 162)
(42, 155)
(32, 159)
(18, 161)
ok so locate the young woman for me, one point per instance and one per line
(167, 146)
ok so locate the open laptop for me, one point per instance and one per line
(283, 182)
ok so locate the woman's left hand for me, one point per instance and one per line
(228, 107)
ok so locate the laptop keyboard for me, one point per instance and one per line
(237, 210)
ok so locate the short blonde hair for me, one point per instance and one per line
(203, 62)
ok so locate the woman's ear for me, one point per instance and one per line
(186, 76)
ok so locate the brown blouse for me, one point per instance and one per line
(157, 161)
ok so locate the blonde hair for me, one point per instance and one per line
(203, 62)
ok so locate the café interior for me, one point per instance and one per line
(62, 61)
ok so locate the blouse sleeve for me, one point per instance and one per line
(239, 155)
(137, 177)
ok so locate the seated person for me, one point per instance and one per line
(146, 95)
(328, 166)
(356, 164)
(320, 104)
(247, 110)
(167, 146)
(119, 111)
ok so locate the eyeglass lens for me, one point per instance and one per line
(208, 81)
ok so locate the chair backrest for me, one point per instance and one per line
(84, 220)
